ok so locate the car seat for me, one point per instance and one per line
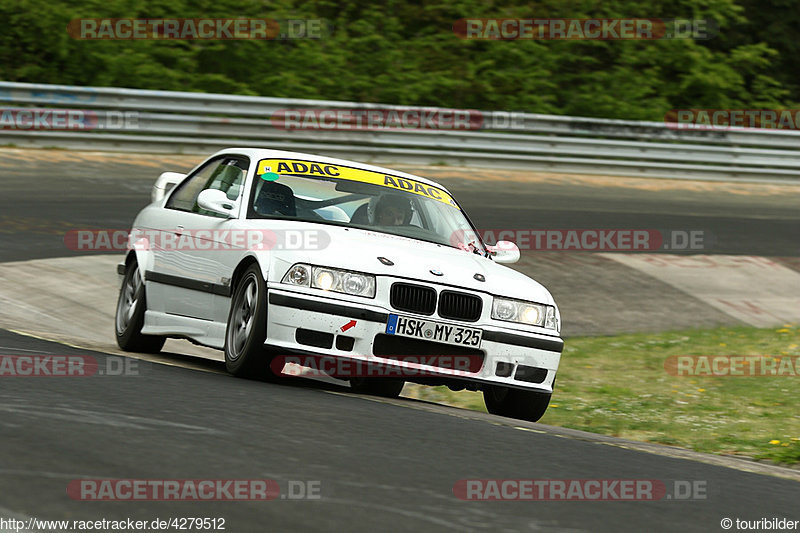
(275, 199)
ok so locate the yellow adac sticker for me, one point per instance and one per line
(310, 168)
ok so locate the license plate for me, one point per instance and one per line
(430, 330)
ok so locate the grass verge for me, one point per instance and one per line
(620, 386)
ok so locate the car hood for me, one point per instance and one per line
(359, 250)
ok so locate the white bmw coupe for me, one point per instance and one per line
(266, 253)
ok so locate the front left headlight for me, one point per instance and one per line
(331, 279)
(522, 312)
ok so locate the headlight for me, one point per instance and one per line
(525, 313)
(331, 279)
(298, 275)
(323, 279)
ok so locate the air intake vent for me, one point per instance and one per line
(460, 306)
(413, 298)
(309, 337)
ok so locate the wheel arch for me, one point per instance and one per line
(144, 257)
(243, 265)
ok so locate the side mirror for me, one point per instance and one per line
(165, 182)
(218, 202)
(504, 252)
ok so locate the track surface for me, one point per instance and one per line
(46, 193)
(381, 465)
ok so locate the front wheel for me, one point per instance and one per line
(247, 327)
(129, 318)
(516, 403)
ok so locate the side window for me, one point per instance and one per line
(226, 174)
(184, 198)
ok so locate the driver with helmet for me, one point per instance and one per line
(390, 210)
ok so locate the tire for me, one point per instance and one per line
(516, 403)
(384, 387)
(245, 355)
(129, 318)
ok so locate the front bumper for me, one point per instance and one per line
(511, 358)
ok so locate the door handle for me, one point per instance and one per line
(179, 229)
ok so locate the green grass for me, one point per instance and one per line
(619, 386)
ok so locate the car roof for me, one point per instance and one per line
(263, 153)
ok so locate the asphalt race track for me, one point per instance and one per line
(49, 192)
(379, 465)
(46, 193)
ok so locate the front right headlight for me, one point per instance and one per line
(331, 279)
(522, 312)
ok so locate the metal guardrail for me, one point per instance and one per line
(182, 122)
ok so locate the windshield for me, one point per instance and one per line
(346, 196)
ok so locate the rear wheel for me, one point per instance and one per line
(385, 387)
(245, 355)
(129, 319)
(516, 403)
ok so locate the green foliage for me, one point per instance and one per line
(405, 52)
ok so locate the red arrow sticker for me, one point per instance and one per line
(349, 325)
